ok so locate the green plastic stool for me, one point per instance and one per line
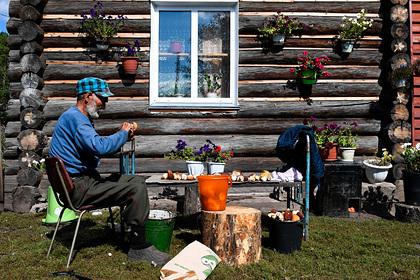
(54, 209)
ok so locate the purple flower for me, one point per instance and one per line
(181, 144)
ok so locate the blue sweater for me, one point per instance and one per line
(77, 143)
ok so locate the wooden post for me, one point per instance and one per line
(192, 203)
(233, 234)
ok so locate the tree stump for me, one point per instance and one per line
(233, 234)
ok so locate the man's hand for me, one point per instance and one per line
(130, 128)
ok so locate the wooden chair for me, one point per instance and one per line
(62, 185)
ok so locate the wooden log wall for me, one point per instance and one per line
(267, 106)
(415, 55)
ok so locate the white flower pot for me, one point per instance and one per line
(195, 168)
(278, 39)
(212, 94)
(375, 173)
(347, 154)
(215, 167)
(347, 46)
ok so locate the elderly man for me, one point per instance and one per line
(77, 143)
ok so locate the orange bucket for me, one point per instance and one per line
(213, 191)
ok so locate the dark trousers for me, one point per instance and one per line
(115, 190)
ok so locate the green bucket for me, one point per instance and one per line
(159, 228)
(54, 209)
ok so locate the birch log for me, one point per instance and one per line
(233, 234)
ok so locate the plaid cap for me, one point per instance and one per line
(95, 85)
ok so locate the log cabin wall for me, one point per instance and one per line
(267, 107)
(415, 55)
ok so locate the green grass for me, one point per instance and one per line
(337, 249)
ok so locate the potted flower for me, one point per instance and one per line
(99, 27)
(310, 68)
(130, 58)
(377, 169)
(217, 158)
(278, 27)
(347, 141)
(213, 84)
(326, 138)
(400, 77)
(411, 174)
(193, 158)
(351, 30)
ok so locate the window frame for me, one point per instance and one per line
(194, 7)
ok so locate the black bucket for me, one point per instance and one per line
(285, 237)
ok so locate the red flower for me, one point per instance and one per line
(218, 149)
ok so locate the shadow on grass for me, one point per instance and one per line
(90, 234)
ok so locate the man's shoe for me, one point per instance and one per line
(151, 254)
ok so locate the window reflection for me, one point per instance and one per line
(175, 54)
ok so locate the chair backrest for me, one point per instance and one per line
(60, 180)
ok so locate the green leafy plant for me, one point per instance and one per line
(185, 152)
(215, 154)
(353, 28)
(346, 138)
(97, 25)
(411, 156)
(308, 62)
(325, 135)
(384, 160)
(38, 165)
(280, 24)
(132, 49)
(212, 81)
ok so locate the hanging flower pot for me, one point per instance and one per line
(278, 40)
(130, 64)
(307, 77)
(347, 45)
(102, 45)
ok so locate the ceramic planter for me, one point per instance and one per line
(329, 153)
(411, 187)
(102, 45)
(347, 46)
(212, 94)
(375, 173)
(215, 167)
(130, 64)
(307, 77)
(195, 168)
(278, 40)
(347, 154)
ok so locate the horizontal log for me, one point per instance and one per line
(244, 42)
(399, 14)
(187, 126)
(31, 80)
(88, 55)
(74, 42)
(321, 7)
(243, 145)
(73, 25)
(400, 31)
(32, 63)
(12, 129)
(268, 108)
(317, 25)
(30, 97)
(32, 140)
(31, 118)
(14, 56)
(35, 3)
(137, 108)
(77, 71)
(289, 56)
(31, 47)
(253, 42)
(13, 24)
(399, 132)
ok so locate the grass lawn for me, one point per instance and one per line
(337, 249)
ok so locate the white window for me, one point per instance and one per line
(194, 54)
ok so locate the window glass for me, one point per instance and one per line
(175, 54)
(213, 54)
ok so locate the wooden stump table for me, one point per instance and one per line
(233, 234)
